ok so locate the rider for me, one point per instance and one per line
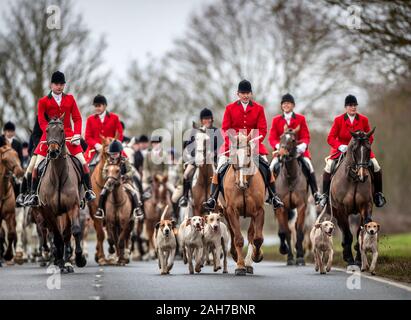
(244, 114)
(206, 120)
(339, 138)
(101, 123)
(116, 156)
(293, 120)
(59, 104)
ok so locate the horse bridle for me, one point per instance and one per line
(353, 169)
(60, 144)
(292, 154)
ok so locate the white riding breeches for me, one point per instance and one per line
(79, 156)
(329, 163)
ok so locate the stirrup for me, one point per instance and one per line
(379, 199)
(183, 202)
(317, 198)
(20, 199)
(89, 195)
(33, 201)
(210, 204)
(99, 214)
(276, 202)
(138, 214)
(324, 200)
(146, 195)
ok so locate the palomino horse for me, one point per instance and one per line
(244, 192)
(9, 166)
(351, 191)
(292, 187)
(119, 218)
(97, 182)
(153, 208)
(60, 198)
(204, 161)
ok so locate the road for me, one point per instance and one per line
(141, 280)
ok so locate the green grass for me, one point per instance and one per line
(394, 260)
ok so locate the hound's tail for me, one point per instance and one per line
(163, 215)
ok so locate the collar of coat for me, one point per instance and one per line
(346, 117)
(107, 114)
(250, 103)
(51, 96)
(292, 115)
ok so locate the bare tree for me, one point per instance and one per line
(30, 51)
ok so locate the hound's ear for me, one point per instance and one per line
(317, 225)
(188, 222)
(378, 226)
(157, 225)
(221, 215)
(173, 223)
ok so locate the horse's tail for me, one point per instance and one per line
(163, 215)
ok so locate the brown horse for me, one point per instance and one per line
(60, 198)
(244, 192)
(292, 187)
(119, 218)
(204, 160)
(351, 191)
(154, 207)
(97, 182)
(9, 166)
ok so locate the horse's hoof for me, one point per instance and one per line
(225, 271)
(216, 269)
(358, 263)
(249, 269)
(102, 262)
(240, 272)
(10, 263)
(96, 259)
(198, 269)
(373, 273)
(300, 262)
(81, 261)
(19, 259)
(328, 269)
(259, 257)
(322, 272)
(43, 263)
(284, 249)
(290, 262)
(70, 269)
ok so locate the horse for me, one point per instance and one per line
(119, 218)
(97, 182)
(153, 208)
(9, 165)
(292, 187)
(244, 192)
(204, 158)
(351, 191)
(60, 198)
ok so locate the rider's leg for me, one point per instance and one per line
(269, 181)
(312, 181)
(33, 199)
(274, 166)
(25, 187)
(89, 194)
(188, 175)
(146, 185)
(101, 204)
(139, 194)
(326, 183)
(137, 205)
(379, 198)
(214, 188)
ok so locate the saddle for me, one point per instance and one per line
(337, 162)
(304, 167)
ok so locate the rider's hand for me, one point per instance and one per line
(277, 146)
(98, 147)
(301, 147)
(75, 140)
(343, 148)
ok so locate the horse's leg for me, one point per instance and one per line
(284, 233)
(238, 240)
(346, 239)
(98, 226)
(258, 237)
(74, 215)
(11, 235)
(299, 227)
(233, 251)
(250, 237)
(150, 232)
(68, 249)
(19, 234)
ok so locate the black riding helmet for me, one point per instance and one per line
(115, 147)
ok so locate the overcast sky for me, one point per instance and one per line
(133, 28)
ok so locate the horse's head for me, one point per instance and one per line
(113, 176)
(105, 142)
(55, 137)
(288, 143)
(203, 154)
(240, 154)
(359, 150)
(160, 190)
(10, 160)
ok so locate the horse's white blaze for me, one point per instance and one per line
(362, 161)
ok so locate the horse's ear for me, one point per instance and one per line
(369, 134)
(116, 135)
(353, 134)
(285, 127)
(297, 129)
(62, 117)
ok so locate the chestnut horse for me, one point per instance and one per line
(244, 192)
(119, 217)
(154, 207)
(60, 198)
(292, 187)
(204, 161)
(9, 166)
(351, 191)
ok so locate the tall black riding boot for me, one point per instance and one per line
(101, 204)
(33, 199)
(379, 198)
(312, 181)
(326, 189)
(273, 198)
(23, 190)
(214, 191)
(138, 211)
(183, 202)
(89, 194)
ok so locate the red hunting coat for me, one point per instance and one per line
(48, 109)
(340, 132)
(95, 129)
(277, 129)
(252, 118)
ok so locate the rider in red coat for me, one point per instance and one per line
(293, 120)
(59, 104)
(339, 138)
(102, 123)
(244, 114)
